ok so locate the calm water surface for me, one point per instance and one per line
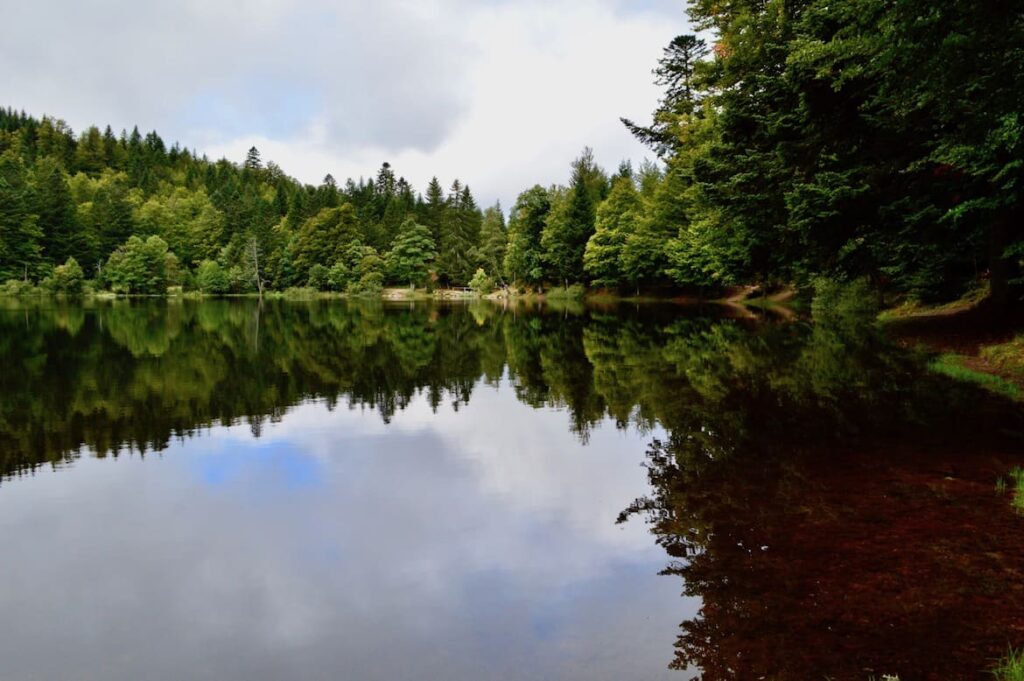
(233, 490)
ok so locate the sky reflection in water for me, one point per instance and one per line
(464, 545)
(477, 492)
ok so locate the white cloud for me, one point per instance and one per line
(501, 94)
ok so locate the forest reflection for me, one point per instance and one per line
(113, 375)
(829, 499)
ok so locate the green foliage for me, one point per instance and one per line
(17, 288)
(493, 240)
(20, 250)
(573, 292)
(339, 276)
(318, 277)
(523, 255)
(211, 278)
(68, 279)
(570, 223)
(459, 236)
(140, 267)
(481, 283)
(616, 221)
(409, 260)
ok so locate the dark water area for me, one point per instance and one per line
(230, 489)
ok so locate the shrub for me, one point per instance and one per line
(139, 266)
(574, 292)
(481, 283)
(68, 278)
(319, 277)
(17, 288)
(211, 278)
(339, 276)
(370, 283)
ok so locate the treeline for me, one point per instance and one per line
(852, 139)
(138, 216)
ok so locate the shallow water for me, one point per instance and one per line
(236, 490)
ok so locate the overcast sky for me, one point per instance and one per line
(501, 93)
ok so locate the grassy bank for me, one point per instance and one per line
(968, 370)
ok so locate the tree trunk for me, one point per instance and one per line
(254, 250)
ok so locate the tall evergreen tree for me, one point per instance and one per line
(61, 236)
(493, 238)
(20, 250)
(616, 221)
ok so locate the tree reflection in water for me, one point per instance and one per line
(830, 501)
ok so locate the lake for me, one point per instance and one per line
(234, 489)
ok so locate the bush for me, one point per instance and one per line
(139, 266)
(241, 280)
(300, 293)
(18, 288)
(68, 279)
(211, 278)
(574, 292)
(370, 283)
(338, 277)
(319, 277)
(481, 283)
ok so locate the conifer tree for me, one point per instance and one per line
(493, 238)
(615, 223)
(61, 236)
(20, 250)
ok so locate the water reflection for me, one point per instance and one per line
(445, 480)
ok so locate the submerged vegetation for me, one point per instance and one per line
(848, 139)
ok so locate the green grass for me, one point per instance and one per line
(1007, 356)
(951, 365)
(1011, 667)
(914, 308)
(574, 292)
(1016, 486)
(1017, 475)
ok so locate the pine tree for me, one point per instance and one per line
(568, 229)
(616, 221)
(493, 238)
(460, 236)
(112, 216)
(20, 250)
(434, 208)
(253, 163)
(61, 236)
(90, 155)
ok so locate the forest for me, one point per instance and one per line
(795, 139)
